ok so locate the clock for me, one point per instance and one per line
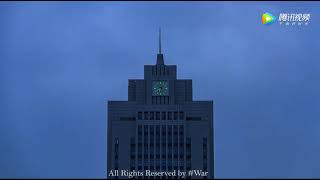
(160, 88)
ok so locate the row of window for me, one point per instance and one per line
(163, 162)
(157, 168)
(188, 154)
(153, 162)
(164, 127)
(169, 144)
(170, 133)
(156, 115)
(116, 154)
(160, 70)
(204, 148)
(160, 100)
(164, 117)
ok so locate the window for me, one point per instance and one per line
(175, 115)
(145, 117)
(146, 150)
(204, 147)
(175, 130)
(188, 164)
(139, 130)
(175, 141)
(116, 149)
(181, 162)
(169, 151)
(169, 163)
(163, 141)
(181, 115)
(164, 162)
(181, 149)
(140, 151)
(127, 118)
(140, 142)
(139, 115)
(158, 141)
(163, 130)
(169, 135)
(169, 115)
(193, 118)
(163, 116)
(145, 130)
(188, 142)
(188, 154)
(181, 155)
(132, 148)
(151, 141)
(158, 130)
(116, 153)
(132, 163)
(146, 163)
(175, 162)
(181, 130)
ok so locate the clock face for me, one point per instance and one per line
(160, 88)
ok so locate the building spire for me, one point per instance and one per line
(160, 55)
(159, 40)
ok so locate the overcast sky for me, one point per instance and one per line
(60, 62)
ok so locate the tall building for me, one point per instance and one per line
(160, 128)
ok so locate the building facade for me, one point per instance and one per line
(160, 128)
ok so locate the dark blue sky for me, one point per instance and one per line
(61, 62)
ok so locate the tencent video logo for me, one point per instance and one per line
(268, 19)
(287, 19)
